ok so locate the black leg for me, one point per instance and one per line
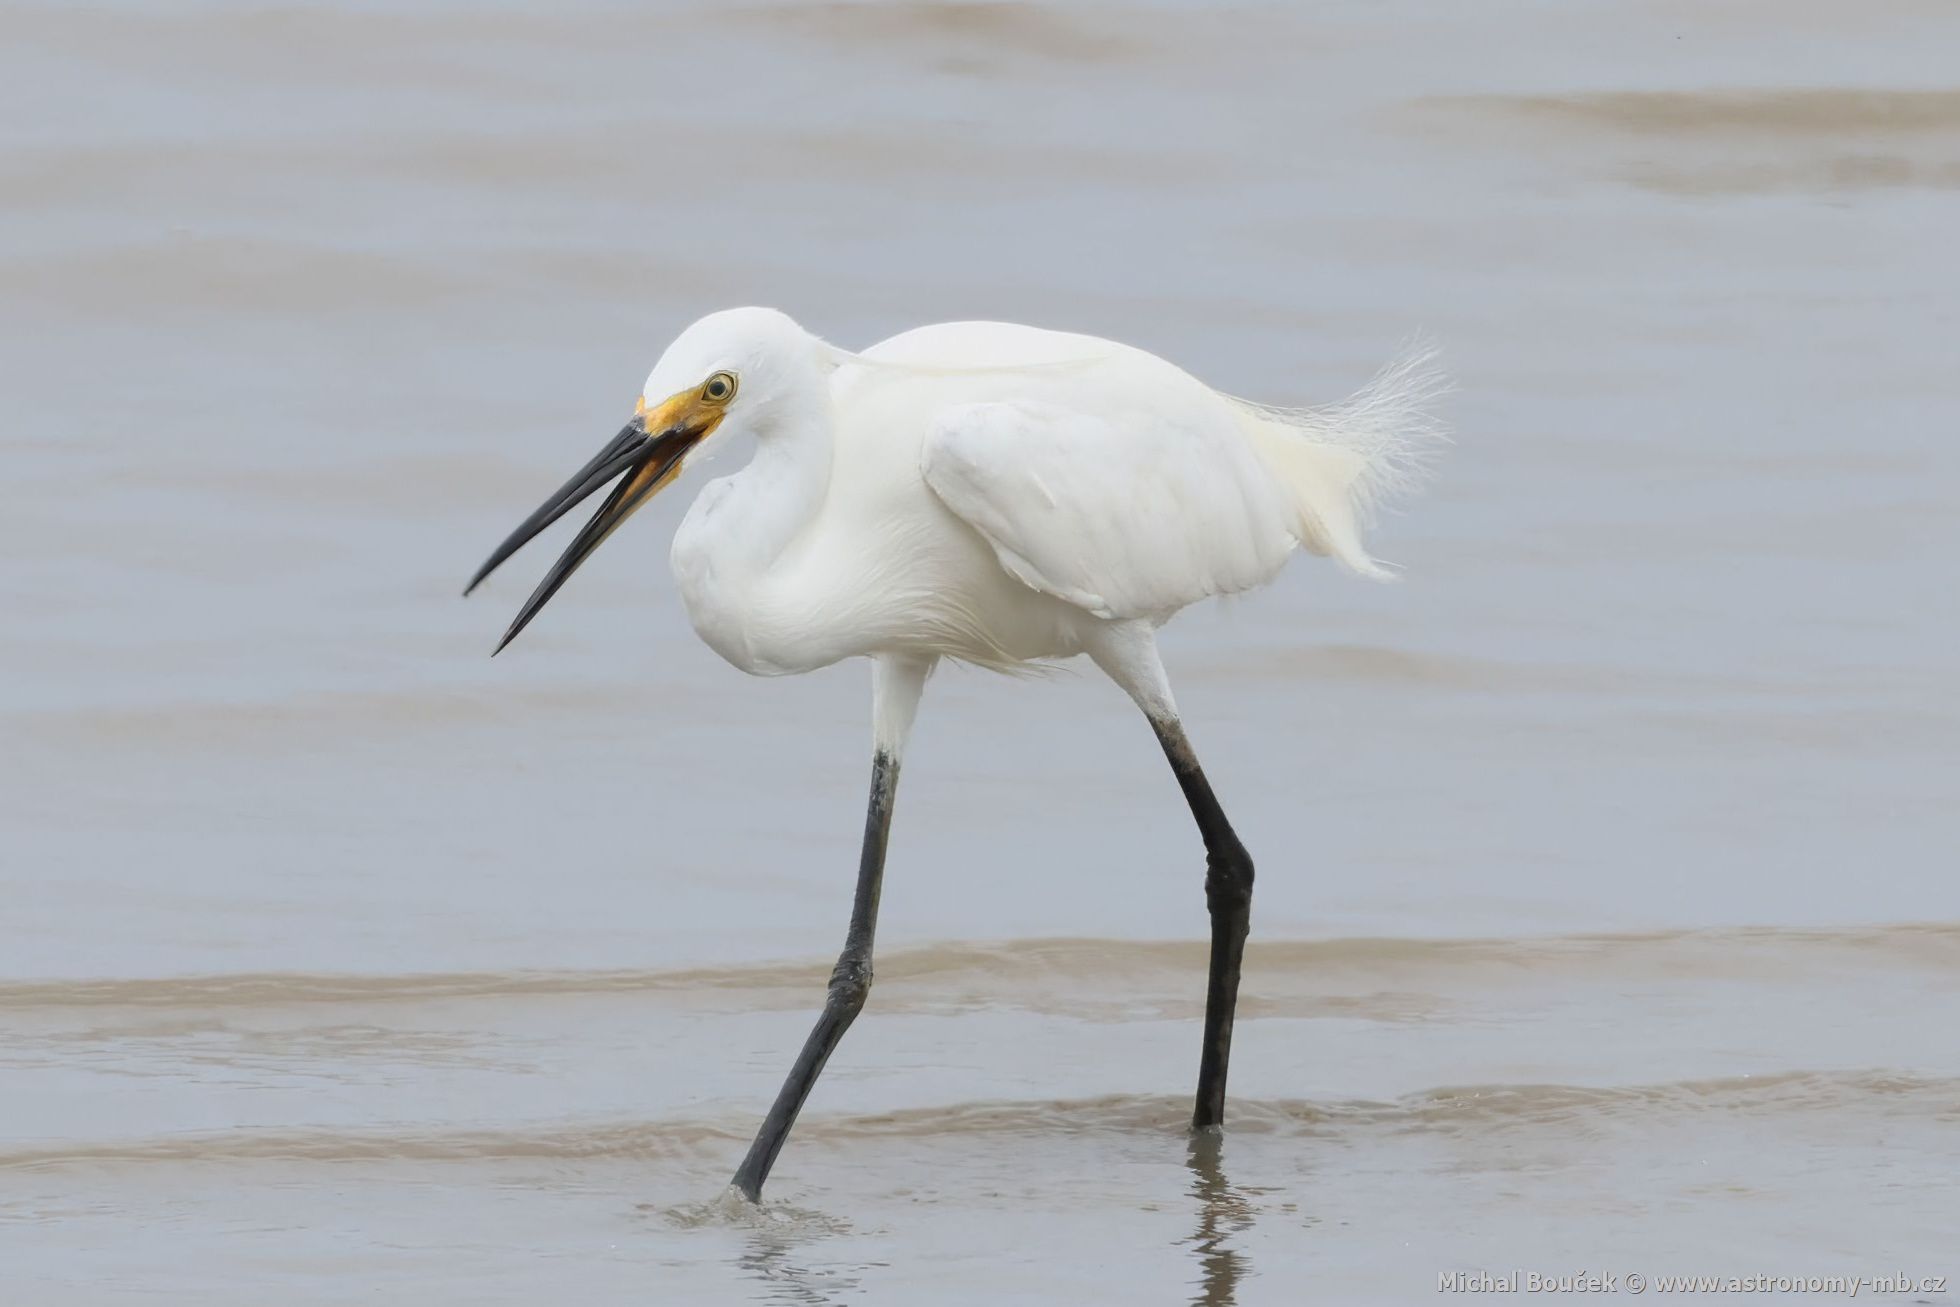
(1228, 894)
(850, 984)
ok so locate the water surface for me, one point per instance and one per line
(1606, 909)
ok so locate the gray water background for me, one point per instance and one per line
(304, 307)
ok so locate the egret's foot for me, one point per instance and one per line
(729, 1207)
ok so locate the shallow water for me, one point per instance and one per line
(1607, 912)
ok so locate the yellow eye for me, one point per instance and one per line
(720, 388)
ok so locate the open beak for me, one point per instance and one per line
(644, 456)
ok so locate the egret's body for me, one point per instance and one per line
(987, 492)
(991, 493)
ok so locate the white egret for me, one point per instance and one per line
(992, 493)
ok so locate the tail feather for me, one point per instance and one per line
(1344, 462)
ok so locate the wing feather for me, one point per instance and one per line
(1125, 519)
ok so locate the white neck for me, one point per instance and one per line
(741, 525)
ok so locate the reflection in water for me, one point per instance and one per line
(771, 1256)
(775, 1249)
(776, 1253)
(777, 1241)
(1222, 1211)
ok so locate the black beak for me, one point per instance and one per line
(646, 461)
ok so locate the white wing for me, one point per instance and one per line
(1131, 520)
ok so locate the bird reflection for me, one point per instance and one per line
(1223, 1211)
(780, 1244)
(776, 1256)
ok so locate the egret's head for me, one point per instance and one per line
(740, 369)
(746, 365)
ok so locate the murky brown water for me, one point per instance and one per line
(1607, 903)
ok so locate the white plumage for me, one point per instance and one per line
(995, 493)
(991, 493)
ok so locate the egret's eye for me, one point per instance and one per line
(720, 388)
